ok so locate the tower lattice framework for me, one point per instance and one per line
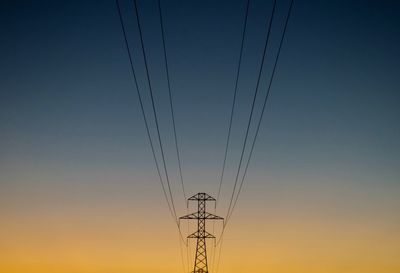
(200, 262)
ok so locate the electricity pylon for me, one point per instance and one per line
(200, 261)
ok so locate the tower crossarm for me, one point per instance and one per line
(197, 234)
(205, 216)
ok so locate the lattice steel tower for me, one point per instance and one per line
(200, 261)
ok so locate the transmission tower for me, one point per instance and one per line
(200, 261)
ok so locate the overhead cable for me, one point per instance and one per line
(263, 107)
(170, 99)
(142, 109)
(154, 108)
(252, 107)
(234, 100)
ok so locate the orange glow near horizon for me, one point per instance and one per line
(284, 239)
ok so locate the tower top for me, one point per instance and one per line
(201, 196)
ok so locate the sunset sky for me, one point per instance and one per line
(79, 192)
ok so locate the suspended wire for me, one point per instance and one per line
(188, 254)
(181, 252)
(260, 118)
(170, 99)
(154, 108)
(230, 121)
(213, 257)
(252, 107)
(215, 249)
(264, 106)
(156, 119)
(172, 108)
(142, 109)
(234, 100)
(146, 121)
(173, 123)
(219, 255)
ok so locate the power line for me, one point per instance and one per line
(264, 105)
(154, 108)
(260, 118)
(252, 107)
(170, 98)
(173, 123)
(181, 252)
(231, 120)
(142, 109)
(219, 255)
(234, 100)
(156, 118)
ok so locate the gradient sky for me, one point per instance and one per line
(78, 187)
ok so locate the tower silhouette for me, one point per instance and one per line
(200, 261)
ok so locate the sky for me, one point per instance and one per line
(79, 192)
